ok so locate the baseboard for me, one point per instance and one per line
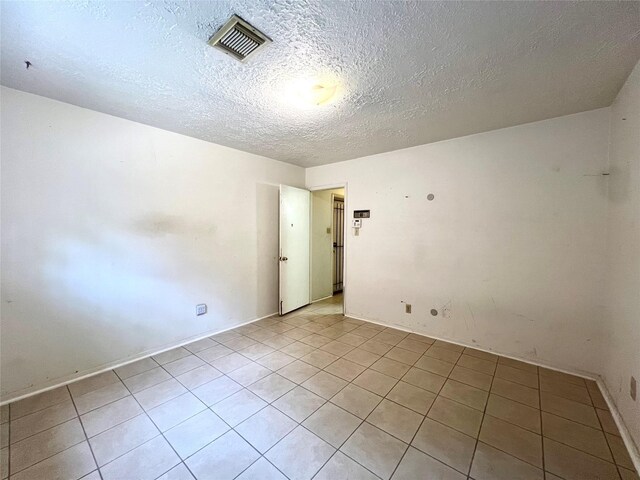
(120, 363)
(632, 448)
(321, 299)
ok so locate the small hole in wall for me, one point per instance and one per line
(434, 312)
(431, 196)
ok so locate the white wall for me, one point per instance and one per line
(622, 356)
(322, 243)
(510, 252)
(113, 231)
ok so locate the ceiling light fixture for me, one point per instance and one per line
(312, 93)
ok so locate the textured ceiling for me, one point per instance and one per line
(409, 72)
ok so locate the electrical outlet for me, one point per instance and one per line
(407, 308)
(201, 309)
(632, 388)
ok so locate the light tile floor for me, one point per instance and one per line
(317, 395)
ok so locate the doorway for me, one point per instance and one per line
(327, 249)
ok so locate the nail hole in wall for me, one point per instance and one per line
(431, 196)
(434, 312)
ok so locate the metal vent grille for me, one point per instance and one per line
(238, 39)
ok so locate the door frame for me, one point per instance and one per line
(345, 276)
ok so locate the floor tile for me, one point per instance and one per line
(238, 407)
(390, 367)
(93, 383)
(375, 382)
(456, 415)
(315, 340)
(324, 384)
(373, 346)
(449, 345)
(175, 411)
(199, 345)
(341, 467)
(374, 449)
(276, 360)
(213, 353)
(100, 397)
(332, 424)
(606, 420)
(216, 390)
(39, 402)
(238, 343)
(361, 357)
(183, 365)
(412, 397)
(230, 362)
(509, 362)
(41, 420)
(619, 450)
(416, 464)
(45, 444)
(492, 464)
(395, 419)
(297, 349)
(254, 352)
(445, 354)
(477, 364)
(480, 354)
(516, 392)
(70, 464)
(198, 376)
(337, 348)
(160, 393)
(319, 358)
(514, 412)
(471, 377)
(122, 438)
(434, 365)
(561, 377)
(509, 438)
(179, 472)
(103, 418)
(352, 339)
(300, 454)
(572, 464)
(171, 355)
(391, 338)
(147, 379)
(223, 459)
(298, 371)
(576, 411)
(194, 433)
(626, 474)
(271, 387)
(466, 394)
(570, 391)
(135, 368)
(576, 435)
(423, 379)
(249, 374)
(356, 400)
(446, 444)
(413, 345)
(261, 470)
(266, 428)
(299, 403)
(517, 376)
(402, 355)
(345, 369)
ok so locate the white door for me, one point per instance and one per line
(294, 248)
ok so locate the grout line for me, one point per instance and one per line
(95, 461)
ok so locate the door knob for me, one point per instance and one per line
(283, 259)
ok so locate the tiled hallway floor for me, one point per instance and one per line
(317, 395)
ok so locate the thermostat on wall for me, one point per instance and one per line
(361, 213)
(357, 223)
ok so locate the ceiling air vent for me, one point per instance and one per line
(238, 39)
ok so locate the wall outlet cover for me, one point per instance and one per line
(407, 308)
(633, 388)
(201, 309)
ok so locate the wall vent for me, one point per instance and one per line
(239, 39)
